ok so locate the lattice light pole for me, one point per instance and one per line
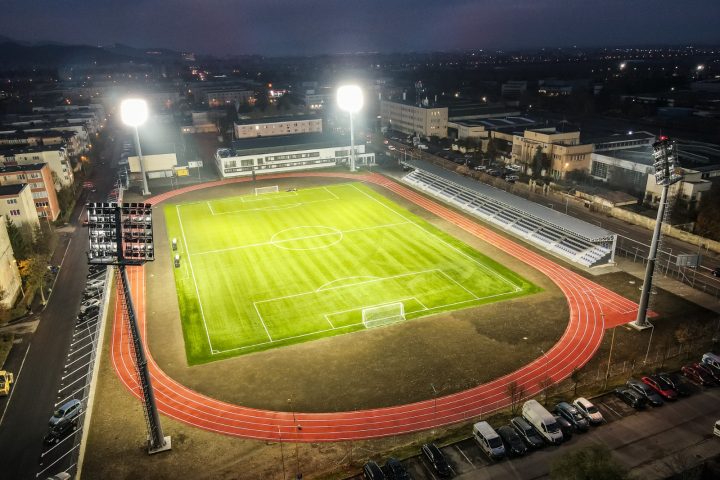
(122, 235)
(667, 173)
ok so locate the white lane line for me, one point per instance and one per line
(17, 378)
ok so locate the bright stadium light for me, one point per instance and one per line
(350, 99)
(134, 112)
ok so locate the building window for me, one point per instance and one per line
(12, 201)
(15, 213)
(599, 170)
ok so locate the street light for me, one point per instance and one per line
(134, 112)
(350, 99)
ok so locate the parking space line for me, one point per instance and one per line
(464, 456)
(611, 409)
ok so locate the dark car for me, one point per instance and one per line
(372, 471)
(60, 431)
(573, 415)
(678, 384)
(716, 272)
(631, 397)
(395, 470)
(565, 427)
(661, 387)
(697, 376)
(513, 443)
(527, 432)
(708, 370)
(436, 459)
(643, 389)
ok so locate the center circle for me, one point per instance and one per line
(306, 237)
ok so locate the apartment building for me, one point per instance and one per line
(55, 156)
(16, 202)
(272, 126)
(563, 148)
(425, 121)
(39, 178)
(9, 274)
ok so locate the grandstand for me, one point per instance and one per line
(580, 242)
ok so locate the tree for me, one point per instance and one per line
(545, 384)
(20, 239)
(66, 200)
(708, 219)
(684, 335)
(594, 462)
(575, 376)
(491, 150)
(537, 162)
(516, 393)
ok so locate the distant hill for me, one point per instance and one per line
(15, 54)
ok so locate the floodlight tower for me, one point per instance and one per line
(667, 173)
(350, 99)
(134, 112)
(122, 235)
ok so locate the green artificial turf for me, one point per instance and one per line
(263, 271)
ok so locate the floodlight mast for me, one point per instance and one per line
(350, 99)
(134, 112)
(666, 174)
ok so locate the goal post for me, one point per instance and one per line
(264, 190)
(386, 314)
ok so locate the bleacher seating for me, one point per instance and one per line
(535, 230)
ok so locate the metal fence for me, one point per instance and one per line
(666, 265)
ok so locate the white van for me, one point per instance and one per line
(543, 421)
(716, 430)
(712, 360)
(489, 441)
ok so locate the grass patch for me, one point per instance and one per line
(6, 343)
(263, 271)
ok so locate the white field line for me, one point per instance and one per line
(197, 291)
(331, 193)
(258, 198)
(457, 283)
(356, 324)
(394, 301)
(210, 207)
(262, 321)
(480, 264)
(306, 237)
(324, 285)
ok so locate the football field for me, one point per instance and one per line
(261, 271)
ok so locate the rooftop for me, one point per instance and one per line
(11, 190)
(283, 143)
(30, 167)
(14, 149)
(284, 118)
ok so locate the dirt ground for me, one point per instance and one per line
(453, 351)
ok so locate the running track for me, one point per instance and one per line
(593, 309)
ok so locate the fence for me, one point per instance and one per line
(666, 265)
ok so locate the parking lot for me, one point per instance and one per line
(465, 456)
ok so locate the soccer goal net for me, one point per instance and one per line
(379, 315)
(263, 190)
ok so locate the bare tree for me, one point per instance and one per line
(516, 393)
(545, 385)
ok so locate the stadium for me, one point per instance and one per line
(334, 306)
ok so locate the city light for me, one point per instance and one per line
(350, 98)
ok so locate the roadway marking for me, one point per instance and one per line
(465, 456)
(16, 379)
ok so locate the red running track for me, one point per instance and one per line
(593, 309)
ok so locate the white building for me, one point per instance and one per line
(287, 153)
(273, 126)
(9, 274)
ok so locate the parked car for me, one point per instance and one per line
(67, 412)
(716, 430)
(708, 370)
(59, 432)
(489, 441)
(6, 380)
(663, 388)
(372, 471)
(527, 432)
(88, 304)
(631, 397)
(572, 415)
(396, 470)
(678, 384)
(697, 376)
(716, 272)
(436, 459)
(588, 410)
(565, 427)
(543, 421)
(643, 389)
(514, 445)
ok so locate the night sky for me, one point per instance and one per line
(276, 27)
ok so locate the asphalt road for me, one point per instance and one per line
(37, 363)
